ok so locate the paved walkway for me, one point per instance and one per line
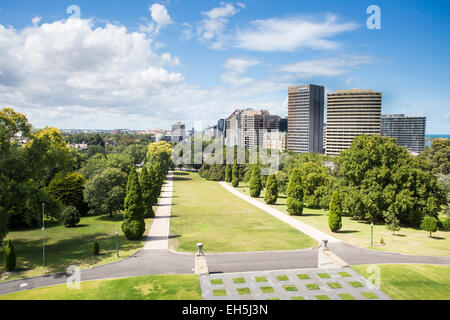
(300, 226)
(301, 284)
(158, 237)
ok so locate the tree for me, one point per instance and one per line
(3, 224)
(282, 181)
(335, 215)
(11, 124)
(271, 194)
(10, 257)
(228, 173)
(235, 176)
(429, 224)
(255, 182)
(70, 216)
(119, 161)
(295, 194)
(161, 152)
(438, 155)
(147, 192)
(392, 222)
(134, 223)
(315, 177)
(105, 192)
(69, 188)
(94, 166)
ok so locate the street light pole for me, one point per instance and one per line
(117, 243)
(371, 235)
(43, 234)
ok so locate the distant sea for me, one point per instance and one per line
(434, 136)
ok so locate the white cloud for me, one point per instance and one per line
(291, 34)
(36, 20)
(327, 67)
(236, 68)
(160, 15)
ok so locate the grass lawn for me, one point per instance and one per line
(203, 211)
(174, 287)
(408, 240)
(68, 246)
(413, 282)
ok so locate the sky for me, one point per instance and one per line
(144, 64)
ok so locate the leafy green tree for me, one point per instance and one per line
(315, 177)
(119, 161)
(79, 157)
(94, 149)
(161, 152)
(439, 155)
(429, 224)
(70, 216)
(136, 153)
(11, 124)
(228, 173)
(94, 166)
(147, 192)
(295, 194)
(255, 182)
(10, 257)
(105, 192)
(69, 188)
(392, 222)
(335, 214)
(134, 224)
(271, 194)
(235, 176)
(282, 181)
(156, 188)
(3, 224)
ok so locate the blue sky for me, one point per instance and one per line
(144, 64)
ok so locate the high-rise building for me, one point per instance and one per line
(408, 131)
(178, 132)
(351, 113)
(283, 125)
(305, 118)
(275, 140)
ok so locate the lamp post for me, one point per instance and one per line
(43, 234)
(371, 235)
(117, 243)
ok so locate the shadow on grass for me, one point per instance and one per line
(180, 173)
(348, 231)
(175, 178)
(114, 218)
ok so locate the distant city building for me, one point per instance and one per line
(275, 140)
(81, 146)
(305, 118)
(408, 131)
(283, 125)
(246, 128)
(351, 113)
(178, 132)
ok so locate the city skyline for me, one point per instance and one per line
(151, 64)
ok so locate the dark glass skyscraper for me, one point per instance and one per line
(408, 131)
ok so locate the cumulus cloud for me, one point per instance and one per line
(327, 67)
(236, 68)
(160, 19)
(290, 34)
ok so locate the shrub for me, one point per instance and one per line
(255, 182)
(228, 173)
(235, 174)
(295, 194)
(10, 256)
(70, 216)
(429, 224)
(382, 241)
(133, 229)
(96, 248)
(335, 215)
(271, 195)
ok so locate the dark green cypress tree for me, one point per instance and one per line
(147, 193)
(134, 225)
(255, 182)
(335, 215)
(154, 180)
(228, 173)
(295, 194)
(10, 256)
(271, 194)
(235, 174)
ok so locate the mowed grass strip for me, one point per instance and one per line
(203, 211)
(69, 246)
(161, 287)
(413, 282)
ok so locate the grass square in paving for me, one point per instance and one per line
(369, 295)
(243, 290)
(323, 275)
(267, 289)
(312, 286)
(273, 299)
(290, 287)
(303, 276)
(216, 282)
(239, 280)
(345, 274)
(334, 285)
(260, 279)
(322, 297)
(297, 298)
(220, 292)
(283, 278)
(346, 296)
(356, 284)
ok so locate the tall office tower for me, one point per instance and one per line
(283, 125)
(305, 118)
(409, 131)
(233, 129)
(351, 113)
(178, 132)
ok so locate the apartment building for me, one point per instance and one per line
(408, 131)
